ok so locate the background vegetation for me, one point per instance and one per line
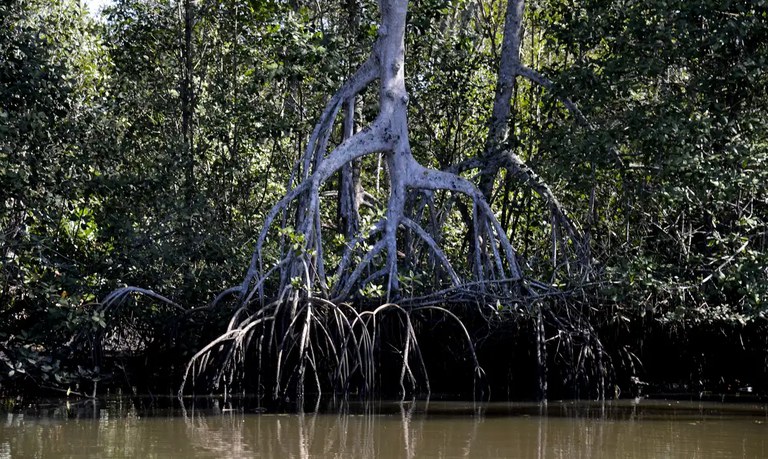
(145, 146)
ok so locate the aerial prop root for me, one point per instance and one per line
(112, 306)
(338, 344)
(489, 236)
(578, 343)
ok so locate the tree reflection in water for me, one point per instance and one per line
(410, 430)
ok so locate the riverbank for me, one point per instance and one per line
(617, 359)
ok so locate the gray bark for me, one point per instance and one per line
(497, 154)
(509, 69)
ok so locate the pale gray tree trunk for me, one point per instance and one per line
(498, 153)
(509, 69)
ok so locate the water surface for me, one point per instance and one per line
(631, 429)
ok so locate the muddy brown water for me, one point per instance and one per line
(623, 429)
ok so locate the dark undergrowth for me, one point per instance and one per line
(556, 349)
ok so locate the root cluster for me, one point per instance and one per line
(294, 312)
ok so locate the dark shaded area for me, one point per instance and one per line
(642, 358)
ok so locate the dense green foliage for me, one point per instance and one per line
(145, 147)
(679, 88)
